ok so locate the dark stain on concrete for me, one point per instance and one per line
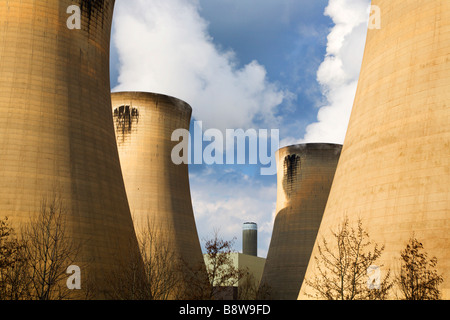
(125, 117)
(292, 165)
(93, 9)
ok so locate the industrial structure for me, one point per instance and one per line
(56, 130)
(250, 239)
(158, 190)
(249, 265)
(304, 176)
(111, 174)
(393, 172)
(245, 288)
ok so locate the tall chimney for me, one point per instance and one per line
(250, 239)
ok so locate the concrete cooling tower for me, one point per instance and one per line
(304, 176)
(158, 190)
(56, 129)
(394, 171)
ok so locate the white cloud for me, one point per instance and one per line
(339, 72)
(163, 46)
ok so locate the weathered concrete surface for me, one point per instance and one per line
(394, 171)
(304, 176)
(56, 129)
(158, 190)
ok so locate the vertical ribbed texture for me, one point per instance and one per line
(56, 128)
(394, 171)
(304, 176)
(158, 190)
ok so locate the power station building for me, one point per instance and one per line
(158, 190)
(393, 172)
(113, 177)
(304, 176)
(56, 130)
(249, 265)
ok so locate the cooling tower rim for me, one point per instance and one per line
(151, 96)
(311, 146)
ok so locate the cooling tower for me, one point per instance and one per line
(394, 171)
(158, 190)
(56, 129)
(304, 176)
(250, 239)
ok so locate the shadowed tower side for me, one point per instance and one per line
(56, 128)
(394, 171)
(158, 190)
(304, 176)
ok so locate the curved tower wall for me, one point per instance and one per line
(394, 168)
(304, 177)
(158, 190)
(56, 128)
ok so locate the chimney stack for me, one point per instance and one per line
(250, 239)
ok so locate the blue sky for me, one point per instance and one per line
(290, 65)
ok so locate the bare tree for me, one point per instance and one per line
(7, 245)
(154, 273)
(162, 264)
(221, 270)
(248, 287)
(48, 251)
(264, 292)
(342, 268)
(418, 278)
(128, 281)
(197, 284)
(14, 284)
(251, 289)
